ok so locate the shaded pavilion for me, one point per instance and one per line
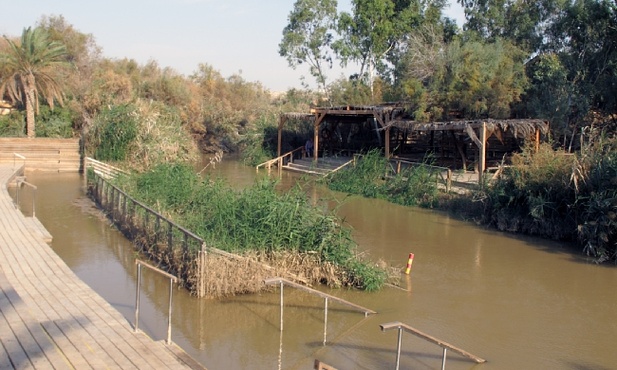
(344, 130)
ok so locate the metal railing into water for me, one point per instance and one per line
(172, 280)
(17, 194)
(15, 156)
(327, 297)
(446, 346)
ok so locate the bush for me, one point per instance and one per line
(416, 185)
(13, 124)
(114, 131)
(56, 123)
(535, 195)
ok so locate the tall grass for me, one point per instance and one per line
(256, 219)
(413, 186)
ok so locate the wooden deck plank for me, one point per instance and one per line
(61, 322)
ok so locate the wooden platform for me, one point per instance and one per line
(50, 319)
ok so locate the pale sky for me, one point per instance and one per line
(233, 36)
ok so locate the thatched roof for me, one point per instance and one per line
(520, 128)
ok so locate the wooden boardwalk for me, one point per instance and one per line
(50, 319)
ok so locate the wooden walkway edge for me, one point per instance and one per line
(50, 319)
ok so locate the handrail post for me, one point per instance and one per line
(281, 305)
(171, 293)
(443, 361)
(398, 347)
(172, 280)
(325, 321)
(137, 295)
(34, 202)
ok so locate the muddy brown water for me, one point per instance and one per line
(520, 303)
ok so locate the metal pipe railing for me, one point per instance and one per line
(444, 345)
(34, 189)
(327, 297)
(15, 156)
(172, 280)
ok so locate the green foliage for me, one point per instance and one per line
(30, 69)
(474, 78)
(548, 78)
(597, 201)
(56, 123)
(308, 36)
(114, 131)
(416, 185)
(12, 124)
(536, 194)
(257, 218)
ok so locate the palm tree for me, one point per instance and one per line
(28, 71)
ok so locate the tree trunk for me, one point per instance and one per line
(31, 102)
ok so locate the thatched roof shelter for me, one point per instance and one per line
(389, 117)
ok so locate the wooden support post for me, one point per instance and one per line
(280, 136)
(482, 159)
(387, 139)
(537, 140)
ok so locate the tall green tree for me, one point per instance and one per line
(523, 22)
(477, 79)
(372, 33)
(585, 37)
(308, 37)
(29, 71)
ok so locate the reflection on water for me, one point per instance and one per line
(518, 302)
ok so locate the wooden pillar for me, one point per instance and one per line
(280, 135)
(318, 118)
(315, 140)
(387, 138)
(537, 140)
(482, 148)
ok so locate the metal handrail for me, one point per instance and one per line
(17, 155)
(34, 189)
(282, 282)
(278, 160)
(172, 280)
(446, 346)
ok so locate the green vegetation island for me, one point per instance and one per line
(554, 60)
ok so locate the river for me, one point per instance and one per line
(518, 302)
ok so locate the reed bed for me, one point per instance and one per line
(281, 230)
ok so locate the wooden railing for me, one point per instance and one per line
(103, 169)
(327, 297)
(446, 346)
(444, 173)
(280, 161)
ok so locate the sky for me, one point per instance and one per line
(233, 36)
